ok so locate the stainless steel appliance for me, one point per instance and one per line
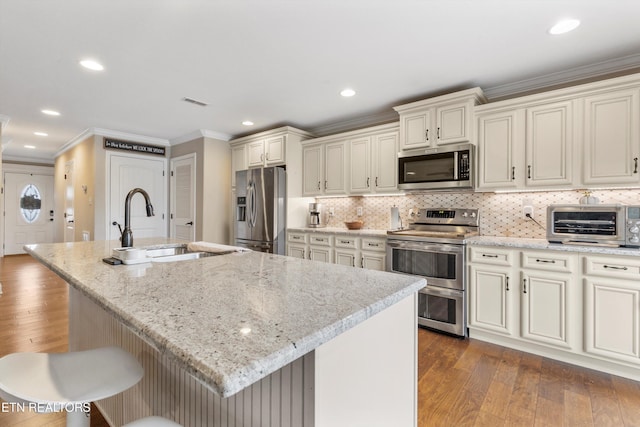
(434, 247)
(315, 215)
(261, 209)
(615, 225)
(439, 168)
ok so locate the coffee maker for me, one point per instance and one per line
(314, 219)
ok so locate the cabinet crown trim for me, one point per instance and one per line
(474, 94)
(284, 130)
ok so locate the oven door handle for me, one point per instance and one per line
(442, 292)
(426, 247)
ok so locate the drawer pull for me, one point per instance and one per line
(489, 256)
(613, 267)
(375, 245)
(524, 287)
(345, 242)
(548, 261)
(507, 282)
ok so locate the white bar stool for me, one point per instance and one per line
(49, 382)
(152, 422)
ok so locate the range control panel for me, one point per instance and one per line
(450, 216)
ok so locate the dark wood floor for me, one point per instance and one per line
(461, 382)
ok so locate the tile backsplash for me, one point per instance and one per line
(500, 213)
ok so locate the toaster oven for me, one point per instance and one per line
(614, 225)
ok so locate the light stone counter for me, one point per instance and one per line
(195, 312)
(342, 231)
(543, 244)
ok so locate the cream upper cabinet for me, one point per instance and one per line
(612, 138)
(267, 152)
(374, 163)
(356, 162)
(441, 120)
(499, 146)
(323, 169)
(513, 155)
(238, 161)
(312, 167)
(334, 168)
(549, 145)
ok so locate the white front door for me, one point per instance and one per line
(28, 211)
(183, 198)
(69, 195)
(127, 173)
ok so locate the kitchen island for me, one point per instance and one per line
(247, 338)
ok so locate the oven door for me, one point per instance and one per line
(440, 263)
(442, 309)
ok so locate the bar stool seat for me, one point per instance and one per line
(152, 422)
(62, 381)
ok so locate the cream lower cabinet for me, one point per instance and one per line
(612, 308)
(522, 294)
(361, 252)
(580, 308)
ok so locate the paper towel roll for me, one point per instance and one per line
(394, 222)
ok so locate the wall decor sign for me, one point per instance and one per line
(133, 146)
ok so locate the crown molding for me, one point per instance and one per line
(32, 160)
(90, 132)
(355, 123)
(564, 77)
(282, 130)
(200, 133)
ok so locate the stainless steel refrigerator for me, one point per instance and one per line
(261, 209)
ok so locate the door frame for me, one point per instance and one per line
(172, 192)
(107, 180)
(27, 169)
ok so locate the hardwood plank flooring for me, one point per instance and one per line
(460, 382)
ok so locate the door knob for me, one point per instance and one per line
(189, 223)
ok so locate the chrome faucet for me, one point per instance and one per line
(127, 234)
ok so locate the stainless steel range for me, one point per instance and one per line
(434, 247)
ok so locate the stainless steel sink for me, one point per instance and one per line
(176, 253)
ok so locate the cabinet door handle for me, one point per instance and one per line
(367, 182)
(362, 262)
(548, 261)
(426, 134)
(635, 165)
(507, 283)
(376, 181)
(529, 171)
(524, 287)
(325, 185)
(513, 173)
(614, 267)
(318, 185)
(489, 256)
(438, 135)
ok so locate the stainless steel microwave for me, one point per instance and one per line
(617, 225)
(440, 168)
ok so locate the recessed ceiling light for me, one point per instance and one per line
(247, 123)
(41, 134)
(348, 92)
(92, 65)
(564, 26)
(50, 112)
(30, 147)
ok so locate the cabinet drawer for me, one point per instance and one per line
(346, 242)
(548, 261)
(320, 240)
(493, 256)
(624, 268)
(297, 237)
(370, 244)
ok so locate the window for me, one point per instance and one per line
(30, 203)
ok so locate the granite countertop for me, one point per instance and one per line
(229, 320)
(344, 231)
(543, 244)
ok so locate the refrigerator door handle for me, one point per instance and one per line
(250, 204)
(254, 207)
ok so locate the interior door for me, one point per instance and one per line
(183, 198)
(127, 173)
(69, 194)
(28, 210)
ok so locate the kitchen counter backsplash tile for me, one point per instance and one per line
(500, 213)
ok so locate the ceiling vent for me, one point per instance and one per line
(195, 101)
